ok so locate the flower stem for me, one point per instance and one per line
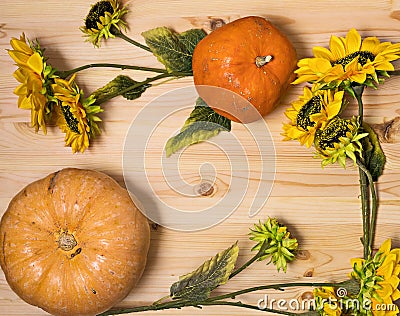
(131, 41)
(364, 192)
(278, 286)
(251, 260)
(374, 206)
(365, 212)
(179, 305)
(67, 73)
(219, 300)
(248, 306)
(144, 308)
(115, 31)
(358, 91)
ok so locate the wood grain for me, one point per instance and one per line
(320, 206)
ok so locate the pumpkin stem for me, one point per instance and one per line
(262, 60)
(66, 241)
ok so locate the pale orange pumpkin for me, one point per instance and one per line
(251, 62)
(73, 243)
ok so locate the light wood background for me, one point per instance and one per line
(320, 206)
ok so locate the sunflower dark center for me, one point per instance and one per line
(70, 119)
(97, 10)
(311, 107)
(335, 129)
(363, 58)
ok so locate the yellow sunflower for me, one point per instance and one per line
(338, 140)
(311, 112)
(103, 20)
(349, 59)
(326, 301)
(75, 115)
(379, 279)
(34, 75)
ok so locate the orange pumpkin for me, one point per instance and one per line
(73, 243)
(251, 60)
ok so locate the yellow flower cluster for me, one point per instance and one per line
(104, 20)
(32, 93)
(348, 60)
(310, 113)
(47, 96)
(348, 65)
(379, 279)
(75, 115)
(371, 291)
(326, 301)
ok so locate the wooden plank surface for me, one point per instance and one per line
(320, 206)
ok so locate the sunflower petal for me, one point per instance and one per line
(396, 295)
(337, 48)
(385, 247)
(353, 41)
(20, 75)
(19, 57)
(319, 65)
(35, 62)
(21, 45)
(322, 52)
(21, 90)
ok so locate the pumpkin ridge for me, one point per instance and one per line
(76, 196)
(40, 222)
(93, 198)
(52, 182)
(35, 283)
(272, 77)
(3, 248)
(85, 209)
(60, 271)
(80, 286)
(22, 260)
(72, 268)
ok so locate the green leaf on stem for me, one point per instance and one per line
(172, 49)
(117, 85)
(197, 285)
(374, 158)
(202, 124)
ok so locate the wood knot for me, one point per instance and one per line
(204, 189)
(307, 296)
(309, 273)
(216, 24)
(389, 131)
(303, 255)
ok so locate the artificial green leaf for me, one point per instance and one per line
(374, 157)
(202, 124)
(172, 49)
(197, 285)
(202, 112)
(116, 86)
(191, 38)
